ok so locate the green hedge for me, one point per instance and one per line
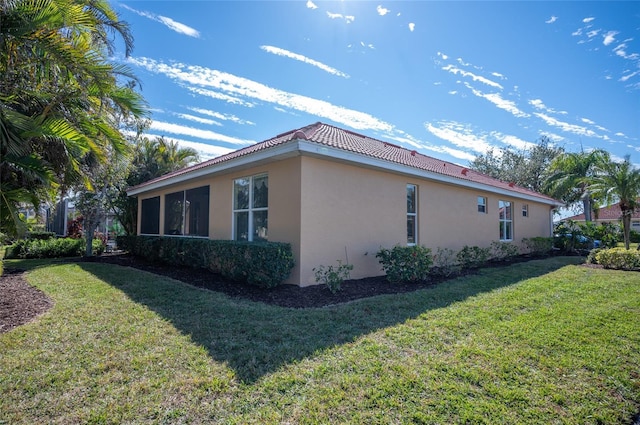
(619, 258)
(264, 264)
(51, 248)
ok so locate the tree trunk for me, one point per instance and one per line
(586, 203)
(90, 227)
(626, 226)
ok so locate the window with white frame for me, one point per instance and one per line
(506, 220)
(250, 208)
(635, 225)
(412, 214)
(187, 212)
(482, 204)
(525, 210)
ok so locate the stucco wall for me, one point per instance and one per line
(332, 211)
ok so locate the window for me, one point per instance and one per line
(412, 216)
(482, 204)
(250, 208)
(506, 221)
(525, 210)
(187, 212)
(635, 224)
(150, 216)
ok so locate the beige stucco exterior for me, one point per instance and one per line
(330, 210)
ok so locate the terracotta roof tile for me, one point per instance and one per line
(350, 141)
(612, 212)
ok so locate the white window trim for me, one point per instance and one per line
(485, 200)
(250, 210)
(414, 214)
(525, 210)
(505, 221)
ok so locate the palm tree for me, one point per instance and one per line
(619, 181)
(58, 96)
(570, 175)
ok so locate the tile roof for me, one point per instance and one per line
(612, 212)
(350, 141)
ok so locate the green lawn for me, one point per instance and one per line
(541, 342)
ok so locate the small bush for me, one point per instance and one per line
(502, 250)
(591, 258)
(445, 262)
(619, 259)
(405, 263)
(634, 237)
(470, 257)
(538, 245)
(40, 235)
(332, 276)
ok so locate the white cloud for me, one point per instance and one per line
(626, 78)
(196, 132)
(168, 22)
(235, 87)
(538, 104)
(282, 52)
(453, 92)
(198, 119)
(620, 134)
(382, 11)
(347, 18)
(511, 140)
(587, 121)
(454, 70)
(497, 74)
(577, 32)
(593, 33)
(552, 136)
(220, 96)
(443, 56)
(567, 127)
(551, 20)
(460, 135)
(497, 100)
(218, 115)
(412, 26)
(587, 20)
(620, 51)
(609, 37)
(311, 5)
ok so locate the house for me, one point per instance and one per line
(610, 214)
(337, 195)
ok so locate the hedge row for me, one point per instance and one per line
(264, 264)
(51, 248)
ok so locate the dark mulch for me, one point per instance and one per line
(283, 295)
(19, 302)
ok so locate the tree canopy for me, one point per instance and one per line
(60, 95)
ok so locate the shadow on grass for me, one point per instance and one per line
(255, 339)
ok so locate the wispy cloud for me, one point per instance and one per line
(218, 115)
(495, 98)
(566, 127)
(197, 133)
(382, 10)
(587, 20)
(347, 18)
(282, 52)
(511, 140)
(626, 77)
(539, 104)
(460, 135)
(311, 5)
(455, 70)
(609, 37)
(219, 96)
(168, 22)
(412, 26)
(552, 136)
(198, 119)
(207, 80)
(551, 20)
(587, 121)
(205, 150)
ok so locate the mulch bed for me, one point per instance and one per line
(19, 302)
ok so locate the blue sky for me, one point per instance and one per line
(450, 79)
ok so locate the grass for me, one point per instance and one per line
(538, 342)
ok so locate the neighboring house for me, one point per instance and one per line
(337, 195)
(610, 214)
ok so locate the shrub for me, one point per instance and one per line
(333, 276)
(264, 264)
(40, 235)
(619, 258)
(634, 237)
(538, 245)
(591, 258)
(405, 263)
(472, 256)
(502, 250)
(51, 248)
(445, 262)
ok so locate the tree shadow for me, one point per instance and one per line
(255, 339)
